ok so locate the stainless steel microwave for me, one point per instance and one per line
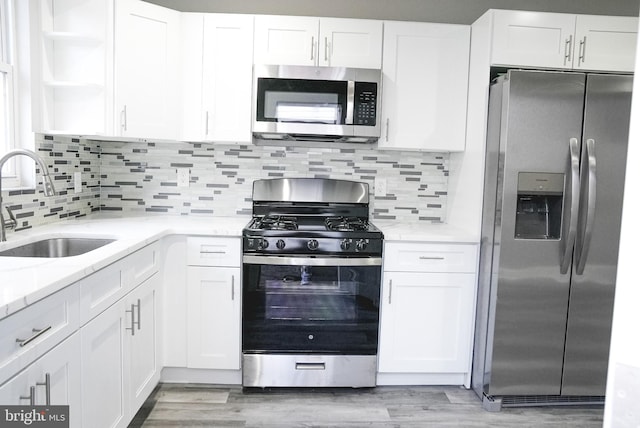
(303, 103)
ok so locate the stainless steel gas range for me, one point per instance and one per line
(311, 285)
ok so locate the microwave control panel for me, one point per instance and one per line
(365, 103)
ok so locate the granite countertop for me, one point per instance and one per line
(24, 281)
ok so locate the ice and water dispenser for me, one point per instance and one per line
(539, 210)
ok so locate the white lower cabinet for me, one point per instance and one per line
(213, 318)
(53, 379)
(119, 358)
(213, 303)
(427, 310)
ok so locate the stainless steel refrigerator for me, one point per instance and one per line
(554, 177)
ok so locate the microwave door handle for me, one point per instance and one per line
(573, 205)
(591, 206)
(351, 90)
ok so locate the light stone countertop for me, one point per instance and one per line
(25, 280)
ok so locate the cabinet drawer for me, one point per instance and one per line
(99, 291)
(204, 251)
(139, 266)
(29, 333)
(417, 257)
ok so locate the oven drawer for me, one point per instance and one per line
(291, 370)
(213, 251)
(418, 257)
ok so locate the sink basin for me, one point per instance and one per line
(56, 247)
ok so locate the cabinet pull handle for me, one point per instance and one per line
(326, 50)
(313, 44)
(133, 321)
(567, 49)
(47, 387)
(386, 135)
(139, 315)
(583, 48)
(38, 333)
(390, 289)
(31, 397)
(206, 124)
(233, 287)
(123, 118)
(431, 258)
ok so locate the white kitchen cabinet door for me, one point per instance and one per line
(142, 342)
(605, 43)
(285, 40)
(425, 72)
(533, 39)
(350, 43)
(213, 318)
(146, 78)
(426, 322)
(57, 371)
(226, 78)
(104, 395)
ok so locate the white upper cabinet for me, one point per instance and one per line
(217, 59)
(425, 73)
(72, 66)
(335, 42)
(147, 64)
(564, 41)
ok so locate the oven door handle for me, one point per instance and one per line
(312, 261)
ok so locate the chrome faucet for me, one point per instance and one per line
(47, 183)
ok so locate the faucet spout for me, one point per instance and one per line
(47, 184)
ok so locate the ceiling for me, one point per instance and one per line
(447, 11)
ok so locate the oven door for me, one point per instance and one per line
(324, 305)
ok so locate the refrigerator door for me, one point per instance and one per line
(541, 115)
(605, 137)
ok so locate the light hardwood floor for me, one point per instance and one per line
(412, 407)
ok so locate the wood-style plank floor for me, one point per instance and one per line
(187, 405)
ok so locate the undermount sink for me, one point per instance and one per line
(56, 247)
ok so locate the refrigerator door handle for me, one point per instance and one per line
(572, 227)
(591, 206)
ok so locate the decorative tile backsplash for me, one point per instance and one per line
(142, 177)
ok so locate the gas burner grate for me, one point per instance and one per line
(346, 224)
(278, 223)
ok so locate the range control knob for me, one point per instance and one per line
(345, 244)
(263, 244)
(312, 244)
(361, 244)
(280, 244)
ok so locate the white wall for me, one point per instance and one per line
(622, 407)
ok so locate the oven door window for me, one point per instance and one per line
(324, 309)
(302, 101)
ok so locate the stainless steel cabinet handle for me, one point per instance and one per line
(38, 333)
(47, 387)
(313, 44)
(573, 206)
(326, 50)
(583, 48)
(567, 49)
(206, 124)
(133, 319)
(139, 314)
(123, 118)
(31, 397)
(233, 287)
(590, 176)
(430, 258)
(386, 135)
(390, 289)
